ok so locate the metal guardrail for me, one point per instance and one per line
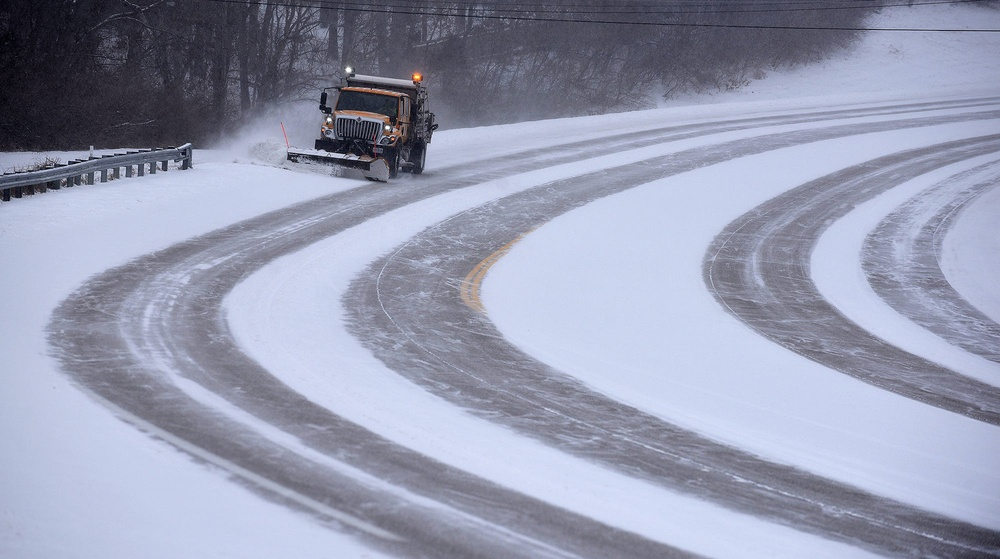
(84, 171)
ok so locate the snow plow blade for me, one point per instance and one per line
(374, 168)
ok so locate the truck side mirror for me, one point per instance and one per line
(322, 103)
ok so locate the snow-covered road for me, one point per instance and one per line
(300, 409)
(548, 345)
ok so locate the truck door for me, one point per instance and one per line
(405, 121)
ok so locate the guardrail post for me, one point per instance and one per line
(57, 183)
(104, 171)
(183, 158)
(74, 180)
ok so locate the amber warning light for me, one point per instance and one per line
(417, 78)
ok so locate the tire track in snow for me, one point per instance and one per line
(145, 336)
(149, 338)
(758, 268)
(901, 259)
(427, 334)
(125, 333)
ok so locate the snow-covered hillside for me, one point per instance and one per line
(614, 286)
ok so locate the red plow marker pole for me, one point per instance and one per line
(283, 133)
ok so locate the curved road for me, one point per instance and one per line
(149, 339)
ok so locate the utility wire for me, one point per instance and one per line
(660, 6)
(443, 12)
(629, 8)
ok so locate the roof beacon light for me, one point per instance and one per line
(349, 70)
(417, 77)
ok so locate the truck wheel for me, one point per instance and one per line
(418, 156)
(394, 164)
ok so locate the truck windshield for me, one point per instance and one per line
(368, 102)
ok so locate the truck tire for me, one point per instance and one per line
(393, 161)
(418, 156)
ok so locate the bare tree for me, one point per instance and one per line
(132, 72)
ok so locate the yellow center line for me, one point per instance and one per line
(469, 290)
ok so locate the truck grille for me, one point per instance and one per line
(355, 128)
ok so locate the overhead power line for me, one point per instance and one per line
(533, 16)
(696, 7)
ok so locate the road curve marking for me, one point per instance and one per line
(469, 290)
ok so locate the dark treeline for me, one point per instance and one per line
(145, 72)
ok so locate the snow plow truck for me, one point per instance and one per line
(379, 125)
